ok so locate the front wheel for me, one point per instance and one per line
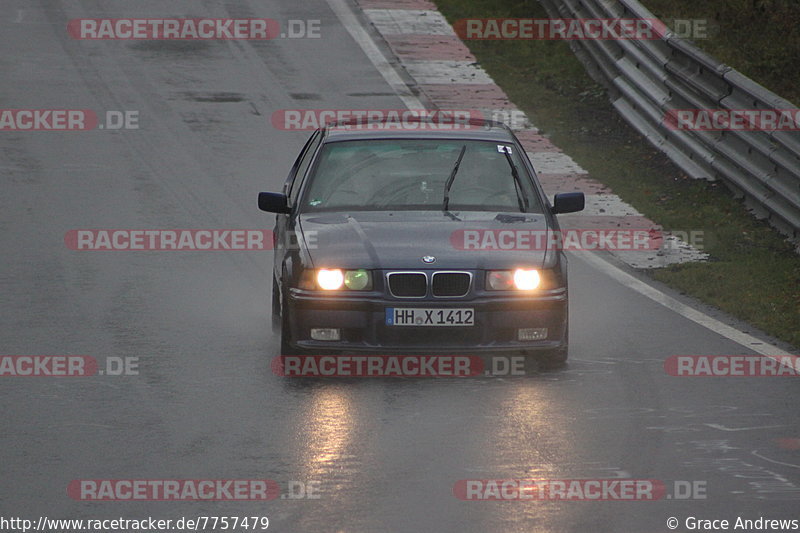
(286, 332)
(554, 359)
(276, 306)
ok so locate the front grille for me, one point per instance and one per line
(408, 285)
(450, 283)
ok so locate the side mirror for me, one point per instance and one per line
(568, 202)
(273, 202)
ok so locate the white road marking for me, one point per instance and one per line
(409, 21)
(360, 35)
(744, 339)
(713, 446)
(726, 428)
(755, 452)
(672, 429)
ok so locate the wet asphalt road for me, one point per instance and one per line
(385, 454)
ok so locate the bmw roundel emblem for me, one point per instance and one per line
(428, 259)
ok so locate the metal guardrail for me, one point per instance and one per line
(646, 79)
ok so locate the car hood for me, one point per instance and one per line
(399, 239)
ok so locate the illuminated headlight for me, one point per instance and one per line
(332, 279)
(526, 280)
(509, 280)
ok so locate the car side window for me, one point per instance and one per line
(301, 165)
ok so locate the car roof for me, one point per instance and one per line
(417, 127)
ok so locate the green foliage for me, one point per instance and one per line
(760, 38)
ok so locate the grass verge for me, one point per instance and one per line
(759, 38)
(754, 273)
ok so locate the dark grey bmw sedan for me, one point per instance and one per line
(386, 243)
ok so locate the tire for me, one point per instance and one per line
(286, 347)
(555, 359)
(276, 306)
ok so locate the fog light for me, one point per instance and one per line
(532, 334)
(326, 334)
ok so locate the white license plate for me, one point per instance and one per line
(411, 316)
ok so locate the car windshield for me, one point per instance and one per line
(404, 174)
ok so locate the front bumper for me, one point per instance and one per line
(364, 330)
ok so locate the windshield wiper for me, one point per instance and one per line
(521, 199)
(452, 177)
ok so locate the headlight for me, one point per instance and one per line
(357, 280)
(526, 280)
(509, 280)
(332, 279)
(499, 280)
